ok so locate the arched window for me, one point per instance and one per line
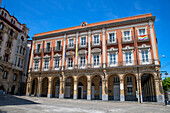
(5, 74)
(14, 22)
(15, 77)
(22, 38)
(2, 13)
(5, 15)
(1, 26)
(11, 20)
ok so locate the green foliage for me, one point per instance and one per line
(166, 84)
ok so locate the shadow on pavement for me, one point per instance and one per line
(12, 100)
(2, 111)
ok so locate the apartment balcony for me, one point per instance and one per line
(47, 50)
(94, 44)
(37, 51)
(80, 46)
(57, 48)
(124, 40)
(108, 43)
(144, 38)
(69, 47)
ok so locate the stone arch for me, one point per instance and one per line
(148, 87)
(114, 87)
(69, 87)
(55, 86)
(34, 86)
(96, 87)
(82, 87)
(130, 87)
(44, 90)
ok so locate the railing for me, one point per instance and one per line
(99, 65)
(37, 51)
(112, 43)
(47, 50)
(96, 44)
(123, 41)
(143, 38)
(70, 47)
(57, 48)
(82, 46)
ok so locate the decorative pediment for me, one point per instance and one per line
(112, 49)
(144, 46)
(82, 52)
(57, 55)
(37, 57)
(127, 48)
(96, 50)
(46, 56)
(69, 53)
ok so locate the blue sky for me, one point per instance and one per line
(46, 15)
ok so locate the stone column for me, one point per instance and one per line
(104, 47)
(62, 86)
(105, 87)
(77, 34)
(88, 87)
(28, 91)
(31, 56)
(75, 87)
(122, 93)
(49, 95)
(153, 42)
(39, 86)
(139, 89)
(89, 48)
(64, 47)
(159, 91)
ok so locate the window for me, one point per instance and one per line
(38, 47)
(1, 25)
(15, 61)
(9, 44)
(5, 74)
(58, 45)
(83, 41)
(112, 37)
(96, 60)
(142, 32)
(5, 15)
(15, 77)
(130, 90)
(127, 36)
(71, 43)
(2, 13)
(36, 64)
(11, 20)
(20, 50)
(14, 22)
(48, 46)
(6, 57)
(129, 79)
(145, 56)
(11, 32)
(112, 59)
(18, 62)
(82, 61)
(96, 39)
(128, 58)
(46, 63)
(70, 63)
(57, 63)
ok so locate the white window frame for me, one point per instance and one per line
(69, 42)
(93, 39)
(130, 35)
(54, 62)
(67, 63)
(113, 65)
(108, 35)
(96, 66)
(81, 40)
(132, 57)
(37, 66)
(80, 61)
(37, 46)
(139, 28)
(149, 56)
(44, 64)
(46, 44)
(56, 43)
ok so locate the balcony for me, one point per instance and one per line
(69, 47)
(111, 43)
(37, 51)
(82, 46)
(123, 41)
(47, 50)
(57, 48)
(144, 38)
(94, 44)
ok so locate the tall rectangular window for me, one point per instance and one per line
(142, 32)
(128, 58)
(82, 61)
(36, 64)
(6, 57)
(112, 59)
(38, 47)
(83, 41)
(58, 45)
(48, 46)
(145, 56)
(71, 43)
(96, 60)
(46, 64)
(69, 62)
(57, 63)
(96, 39)
(127, 36)
(112, 37)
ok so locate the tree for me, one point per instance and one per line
(166, 84)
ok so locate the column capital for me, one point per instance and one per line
(103, 29)
(150, 23)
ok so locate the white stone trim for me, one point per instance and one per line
(108, 38)
(81, 39)
(125, 50)
(34, 64)
(46, 43)
(108, 54)
(85, 61)
(93, 38)
(57, 41)
(44, 63)
(130, 34)
(138, 28)
(72, 38)
(99, 59)
(54, 59)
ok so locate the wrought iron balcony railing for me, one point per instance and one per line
(143, 38)
(37, 51)
(47, 50)
(124, 40)
(82, 45)
(96, 44)
(57, 48)
(109, 43)
(70, 47)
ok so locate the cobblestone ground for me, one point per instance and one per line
(24, 104)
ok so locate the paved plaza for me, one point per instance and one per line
(24, 104)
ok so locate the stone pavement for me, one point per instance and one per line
(24, 104)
